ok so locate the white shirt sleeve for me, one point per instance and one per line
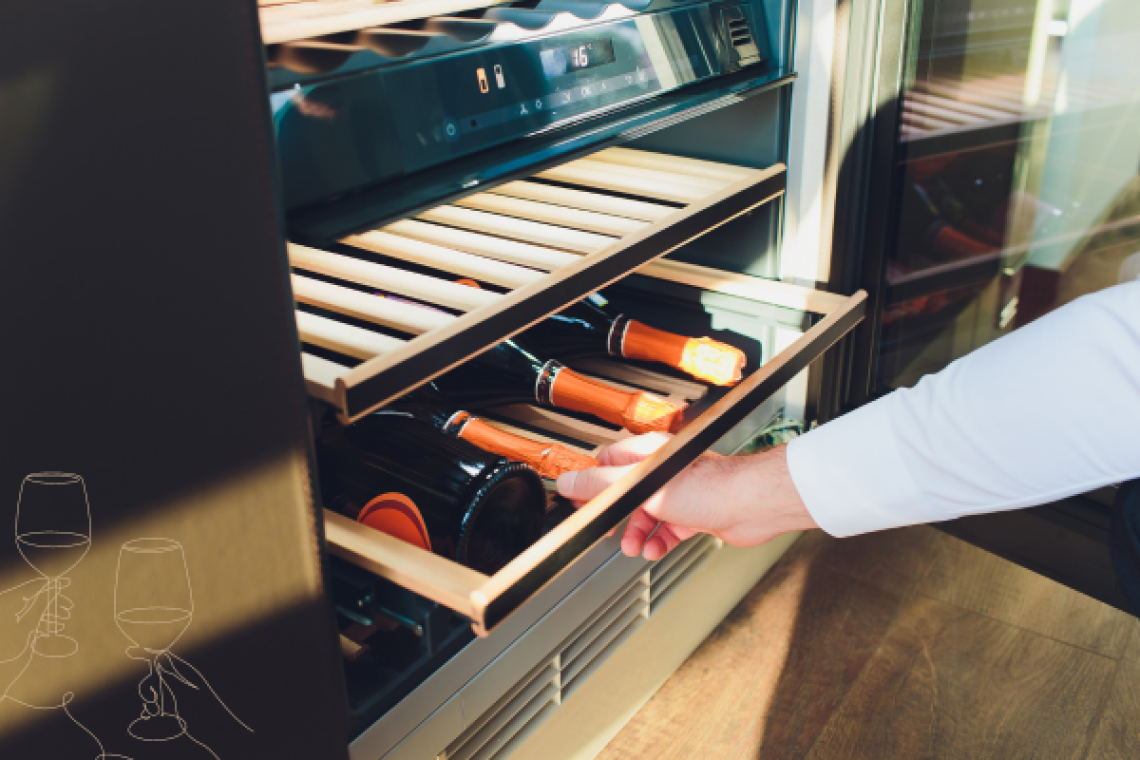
(1048, 411)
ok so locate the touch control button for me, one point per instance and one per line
(451, 130)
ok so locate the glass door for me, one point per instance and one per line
(989, 173)
(1017, 162)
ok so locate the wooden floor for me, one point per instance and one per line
(904, 644)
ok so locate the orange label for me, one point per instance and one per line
(703, 358)
(398, 516)
(549, 459)
(637, 412)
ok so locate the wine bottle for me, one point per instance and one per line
(406, 478)
(514, 372)
(590, 328)
(430, 406)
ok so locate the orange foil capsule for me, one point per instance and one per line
(549, 459)
(703, 358)
(636, 411)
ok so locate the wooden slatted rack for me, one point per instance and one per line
(290, 20)
(549, 244)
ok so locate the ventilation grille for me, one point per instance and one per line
(507, 723)
(677, 118)
(740, 35)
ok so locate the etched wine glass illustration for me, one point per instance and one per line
(53, 534)
(154, 605)
(153, 608)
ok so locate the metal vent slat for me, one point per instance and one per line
(663, 565)
(479, 732)
(665, 591)
(521, 735)
(543, 700)
(669, 578)
(603, 639)
(601, 622)
(571, 685)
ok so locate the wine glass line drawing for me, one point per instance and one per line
(154, 607)
(53, 535)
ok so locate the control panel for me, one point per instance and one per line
(365, 128)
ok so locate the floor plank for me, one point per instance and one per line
(969, 577)
(770, 676)
(1132, 648)
(841, 652)
(1118, 736)
(889, 559)
(951, 683)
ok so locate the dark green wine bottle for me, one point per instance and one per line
(400, 475)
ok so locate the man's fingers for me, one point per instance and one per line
(632, 450)
(583, 485)
(638, 528)
(661, 543)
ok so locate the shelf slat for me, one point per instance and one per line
(409, 318)
(646, 183)
(580, 199)
(444, 259)
(512, 251)
(577, 219)
(390, 279)
(299, 21)
(518, 229)
(344, 339)
(692, 167)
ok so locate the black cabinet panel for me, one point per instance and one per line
(143, 273)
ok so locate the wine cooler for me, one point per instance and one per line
(236, 235)
(243, 251)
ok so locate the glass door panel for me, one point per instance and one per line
(1018, 153)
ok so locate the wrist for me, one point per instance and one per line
(765, 497)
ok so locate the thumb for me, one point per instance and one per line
(583, 485)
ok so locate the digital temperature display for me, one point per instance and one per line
(562, 60)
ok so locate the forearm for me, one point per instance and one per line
(1048, 411)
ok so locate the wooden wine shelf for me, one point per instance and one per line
(548, 241)
(488, 600)
(548, 244)
(291, 20)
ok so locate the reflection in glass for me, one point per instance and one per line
(1019, 152)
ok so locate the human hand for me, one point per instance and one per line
(20, 608)
(744, 501)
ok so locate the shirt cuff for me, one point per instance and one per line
(852, 476)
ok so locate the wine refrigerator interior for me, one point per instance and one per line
(312, 304)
